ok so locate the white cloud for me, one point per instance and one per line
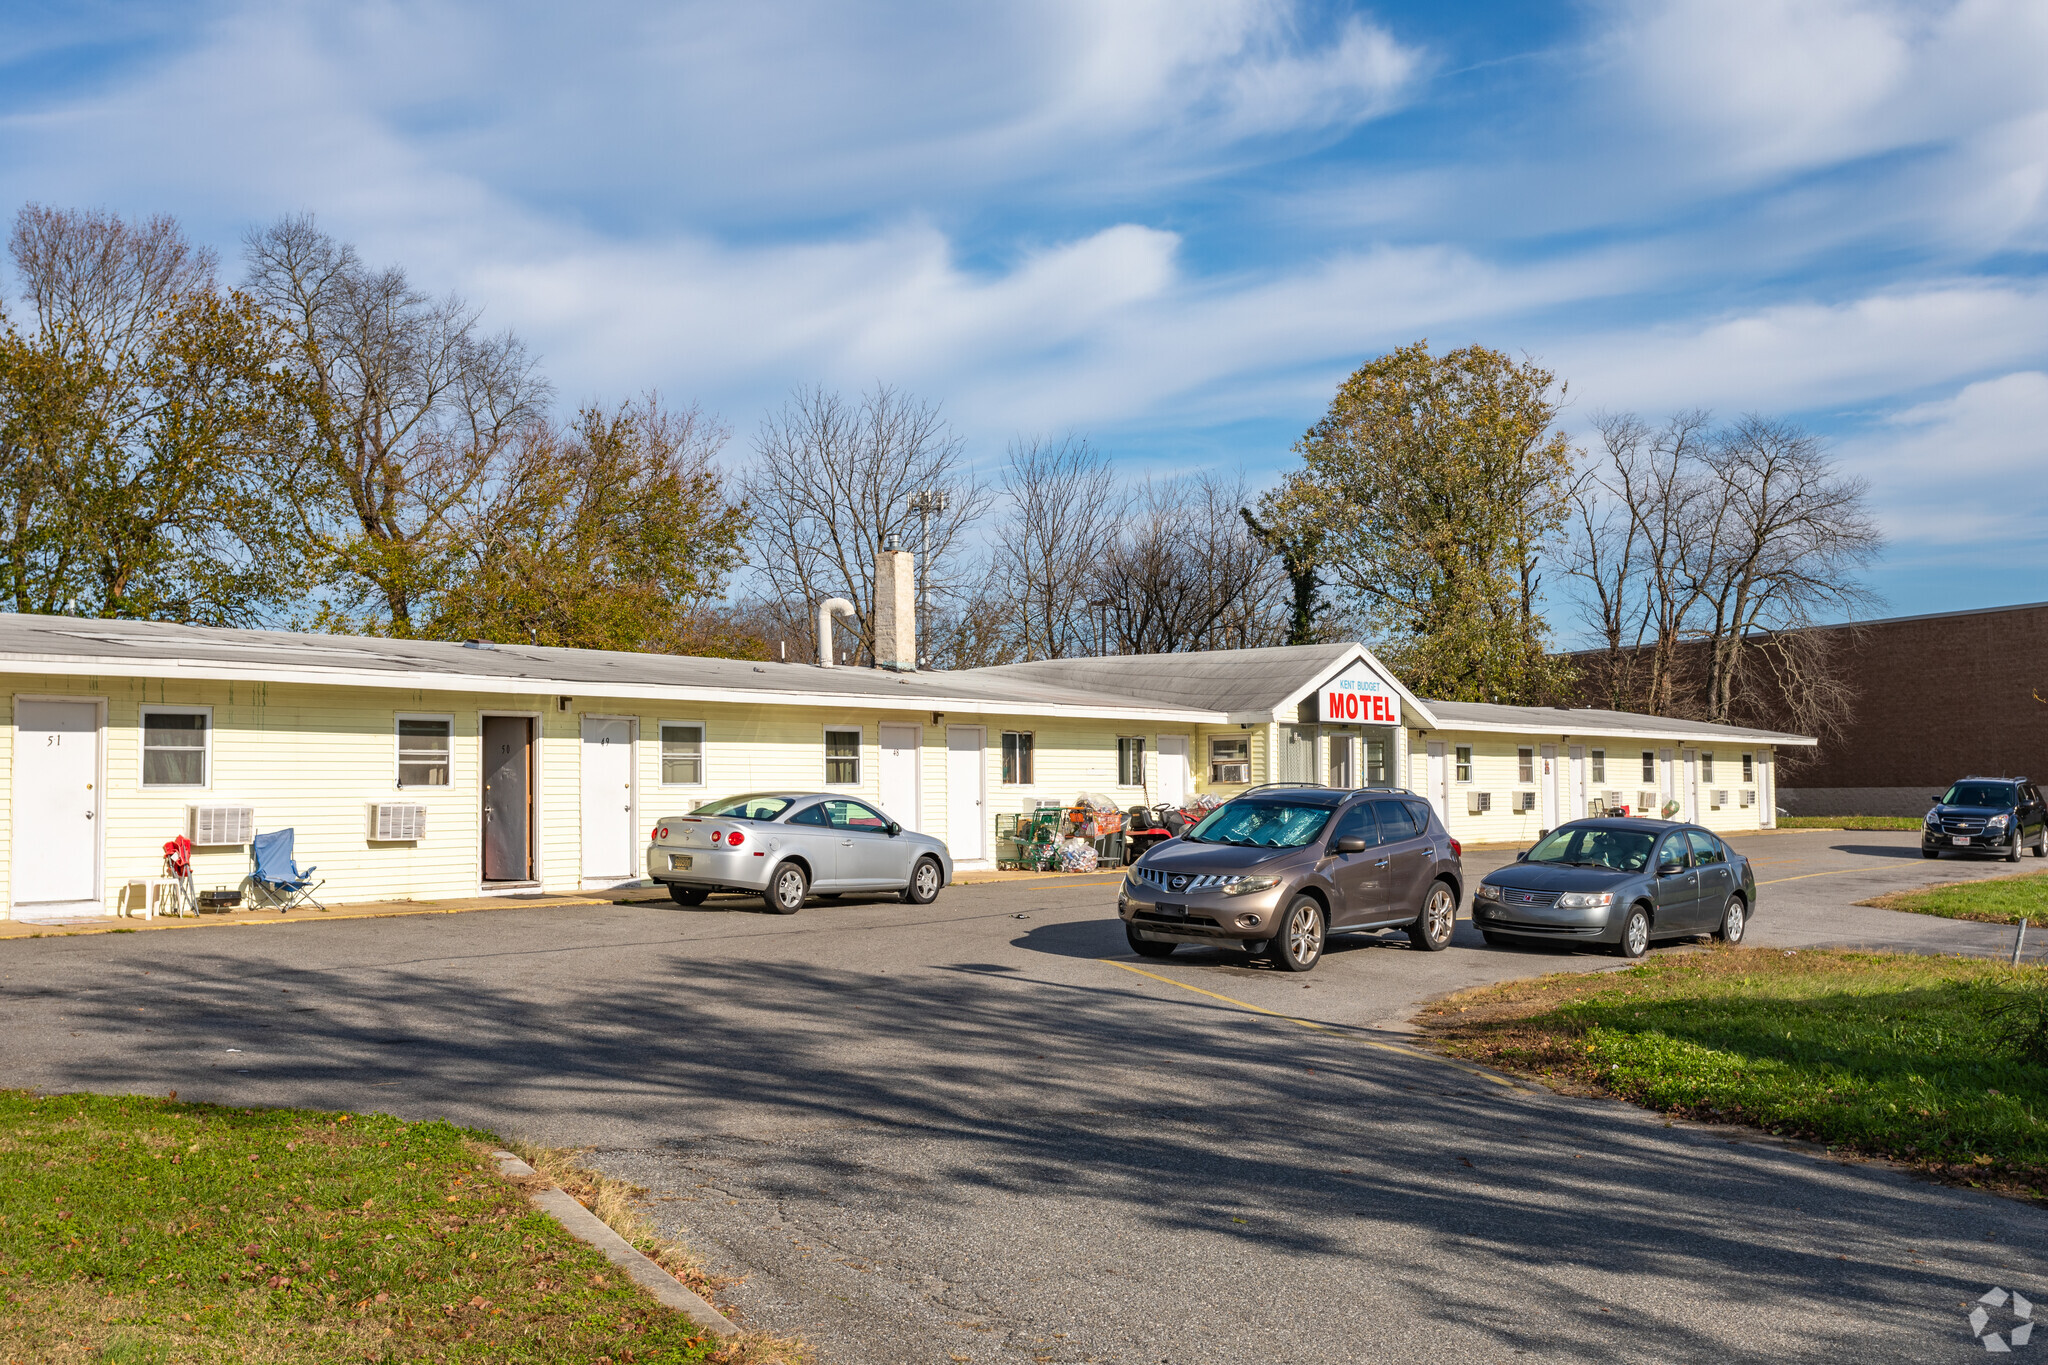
(1963, 468)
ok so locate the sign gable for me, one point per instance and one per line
(1358, 696)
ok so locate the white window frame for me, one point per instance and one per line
(1707, 767)
(1030, 778)
(1525, 765)
(1748, 769)
(703, 755)
(1386, 764)
(1597, 766)
(1461, 764)
(1649, 767)
(1215, 762)
(860, 743)
(398, 757)
(1122, 740)
(142, 782)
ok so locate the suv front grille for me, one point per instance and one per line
(1952, 824)
(1514, 895)
(1180, 883)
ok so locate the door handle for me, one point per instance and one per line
(1381, 863)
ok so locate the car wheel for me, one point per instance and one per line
(1145, 947)
(1433, 928)
(1299, 944)
(1733, 921)
(687, 895)
(1635, 934)
(787, 889)
(2041, 845)
(924, 883)
(2014, 856)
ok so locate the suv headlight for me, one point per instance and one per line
(1584, 900)
(1245, 886)
(1996, 822)
(1933, 820)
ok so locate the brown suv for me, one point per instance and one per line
(1281, 868)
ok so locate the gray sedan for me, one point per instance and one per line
(1619, 883)
(785, 846)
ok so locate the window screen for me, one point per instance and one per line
(1749, 767)
(1297, 753)
(1649, 766)
(1599, 765)
(1375, 762)
(1230, 759)
(1017, 746)
(1525, 765)
(423, 752)
(842, 758)
(174, 749)
(682, 755)
(1464, 763)
(1706, 765)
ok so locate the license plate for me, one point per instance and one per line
(1959, 838)
(679, 862)
(1171, 911)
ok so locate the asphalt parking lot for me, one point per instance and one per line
(972, 1131)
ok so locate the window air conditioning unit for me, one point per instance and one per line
(214, 826)
(398, 822)
(1478, 803)
(1611, 798)
(1646, 803)
(1524, 802)
(1225, 774)
(1748, 799)
(1720, 799)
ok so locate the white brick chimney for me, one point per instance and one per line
(896, 607)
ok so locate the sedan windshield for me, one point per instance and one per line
(1997, 794)
(748, 807)
(1621, 850)
(1261, 824)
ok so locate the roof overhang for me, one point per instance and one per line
(1776, 741)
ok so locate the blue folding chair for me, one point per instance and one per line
(278, 880)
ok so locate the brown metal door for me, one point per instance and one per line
(508, 799)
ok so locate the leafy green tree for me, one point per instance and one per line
(146, 422)
(1428, 489)
(611, 533)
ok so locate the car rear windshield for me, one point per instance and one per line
(1979, 794)
(1261, 824)
(1621, 850)
(748, 807)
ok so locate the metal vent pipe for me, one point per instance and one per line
(827, 609)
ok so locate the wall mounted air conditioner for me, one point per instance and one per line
(214, 826)
(398, 822)
(1478, 803)
(1611, 798)
(1646, 803)
(1524, 802)
(1748, 799)
(1225, 774)
(1719, 800)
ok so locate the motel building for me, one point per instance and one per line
(418, 770)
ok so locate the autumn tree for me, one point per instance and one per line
(612, 531)
(1432, 485)
(412, 408)
(147, 422)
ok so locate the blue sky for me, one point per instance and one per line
(1171, 225)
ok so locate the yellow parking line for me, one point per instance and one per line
(1394, 1048)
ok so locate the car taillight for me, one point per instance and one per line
(660, 833)
(1457, 849)
(735, 839)
(717, 836)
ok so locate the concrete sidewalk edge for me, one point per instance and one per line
(586, 1226)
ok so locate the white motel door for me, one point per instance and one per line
(1174, 785)
(57, 806)
(1576, 808)
(966, 772)
(1439, 782)
(1547, 784)
(609, 847)
(1689, 793)
(900, 796)
(1667, 786)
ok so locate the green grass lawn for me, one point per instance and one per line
(138, 1230)
(1914, 1058)
(1996, 900)
(1849, 821)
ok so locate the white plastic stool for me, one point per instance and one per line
(153, 889)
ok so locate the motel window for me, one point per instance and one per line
(1375, 763)
(1464, 763)
(1600, 765)
(1749, 767)
(1525, 765)
(1649, 767)
(1230, 759)
(175, 748)
(1017, 745)
(423, 747)
(682, 755)
(842, 758)
(1130, 762)
(1706, 765)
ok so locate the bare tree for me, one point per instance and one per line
(1188, 573)
(412, 406)
(1062, 513)
(833, 482)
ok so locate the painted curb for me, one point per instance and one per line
(586, 1226)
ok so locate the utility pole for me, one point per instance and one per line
(926, 503)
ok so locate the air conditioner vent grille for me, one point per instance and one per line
(398, 822)
(220, 826)
(1478, 803)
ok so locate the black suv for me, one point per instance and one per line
(1999, 815)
